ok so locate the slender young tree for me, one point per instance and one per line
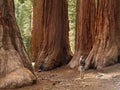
(106, 47)
(15, 67)
(85, 25)
(54, 49)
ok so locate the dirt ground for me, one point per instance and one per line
(65, 78)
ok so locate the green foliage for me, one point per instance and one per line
(72, 19)
(23, 11)
(21, 1)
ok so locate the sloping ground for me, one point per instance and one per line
(67, 79)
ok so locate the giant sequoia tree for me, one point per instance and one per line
(52, 36)
(15, 67)
(85, 24)
(105, 49)
(102, 38)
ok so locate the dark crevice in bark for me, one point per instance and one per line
(119, 59)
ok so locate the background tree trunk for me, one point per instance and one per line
(85, 25)
(15, 67)
(105, 49)
(37, 29)
(55, 45)
(117, 32)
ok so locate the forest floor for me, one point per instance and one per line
(64, 78)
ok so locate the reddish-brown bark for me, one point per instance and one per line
(55, 50)
(85, 25)
(37, 30)
(117, 19)
(105, 49)
(15, 67)
(102, 46)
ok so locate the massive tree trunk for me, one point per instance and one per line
(85, 25)
(105, 50)
(37, 29)
(55, 45)
(15, 67)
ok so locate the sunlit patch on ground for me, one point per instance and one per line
(33, 64)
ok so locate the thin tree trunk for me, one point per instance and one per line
(55, 45)
(37, 29)
(105, 50)
(85, 25)
(15, 67)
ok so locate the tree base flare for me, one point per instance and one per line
(19, 77)
(51, 62)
